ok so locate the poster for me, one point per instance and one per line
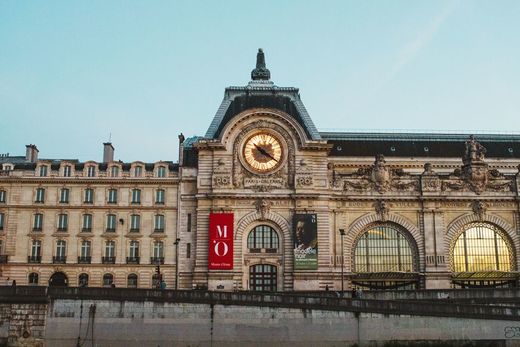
(305, 232)
(220, 256)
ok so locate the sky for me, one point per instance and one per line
(74, 74)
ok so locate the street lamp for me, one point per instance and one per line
(176, 243)
(342, 233)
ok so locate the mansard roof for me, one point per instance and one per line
(261, 92)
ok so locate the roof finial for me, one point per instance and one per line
(260, 72)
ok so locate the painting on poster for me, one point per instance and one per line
(220, 256)
(305, 231)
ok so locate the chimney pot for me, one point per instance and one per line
(31, 153)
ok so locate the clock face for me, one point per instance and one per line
(263, 152)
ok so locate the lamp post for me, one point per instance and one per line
(176, 243)
(342, 233)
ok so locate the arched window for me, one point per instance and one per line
(132, 281)
(263, 237)
(33, 279)
(108, 280)
(385, 258)
(83, 280)
(482, 247)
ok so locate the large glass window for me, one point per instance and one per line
(61, 249)
(112, 196)
(91, 171)
(136, 196)
(262, 237)
(111, 222)
(67, 169)
(33, 279)
(159, 196)
(161, 171)
(89, 196)
(262, 277)
(64, 195)
(63, 222)
(482, 247)
(383, 248)
(135, 223)
(132, 281)
(2, 216)
(38, 222)
(87, 223)
(43, 171)
(40, 195)
(83, 280)
(159, 223)
(2, 196)
(108, 280)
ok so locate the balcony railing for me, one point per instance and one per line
(62, 228)
(59, 259)
(84, 260)
(110, 230)
(157, 260)
(86, 230)
(132, 260)
(108, 260)
(3, 258)
(34, 259)
(134, 230)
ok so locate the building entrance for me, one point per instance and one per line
(262, 277)
(58, 279)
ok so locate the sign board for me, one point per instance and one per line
(220, 256)
(305, 232)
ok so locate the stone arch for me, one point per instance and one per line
(281, 225)
(360, 224)
(455, 228)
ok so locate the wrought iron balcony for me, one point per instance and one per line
(84, 260)
(108, 260)
(132, 260)
(110, 230)
(157, 260)
(59, 259)
(34, 259)
(86, 230)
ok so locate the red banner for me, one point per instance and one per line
(220, 256)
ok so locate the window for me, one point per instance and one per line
(133, 254)
(38, 222)
(108, 280)
(62, 222)
(136, 196)
(114, 171)
(61, 252)
(2, 217)
(2, 196)
(188, 223)
(159, 223)
(111, 222)
(135, 223)
(482, 247)
(67, 170)
(188, 250)
(64, 196)
(91, 171)
(383, 248)
(262, 277)
(36, 248)
(112, 196)
(87, 222)
(33, 279)
(43, 171)
(159, 196)
(158, 249)
(263, 237)
(138, 171)
(89, 196)
(83, 280)
(110, 252)
(40, 195)
(161, 171)
(132, 281)
(85, 257)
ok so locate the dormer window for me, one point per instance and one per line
(161, 171)
(91, 171)
(114, 171)
(43, 171)
(138, 171)
(67, 171)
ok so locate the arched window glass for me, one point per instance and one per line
(262, 277)
(262, 237)
(132, 281)
(33, 278)
(482, 247)
(83, 280)
(383, 248)
(108, 280)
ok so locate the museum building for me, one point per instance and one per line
(264, 201)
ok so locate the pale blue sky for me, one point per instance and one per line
(71, 72)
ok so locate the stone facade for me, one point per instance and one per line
(425, 187)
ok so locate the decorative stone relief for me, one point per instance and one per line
(263, 207)
(382, 210)
(475, 174)
(479, 208)
(429, 180)
(303, 175)
(381, 178)
(221, 175)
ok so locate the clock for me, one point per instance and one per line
(263, 152)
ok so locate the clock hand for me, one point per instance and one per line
(264, 152)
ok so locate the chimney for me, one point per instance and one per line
(181, 149)
(31, 153)
(108, 152)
